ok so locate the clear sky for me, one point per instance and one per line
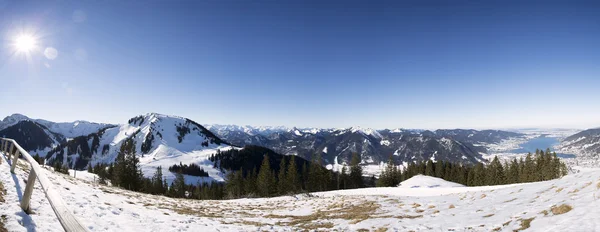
(379, 64)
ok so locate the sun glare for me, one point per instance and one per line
(25, 43)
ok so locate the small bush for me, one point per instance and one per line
(564, 208)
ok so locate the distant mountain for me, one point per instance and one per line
(65, 129)
(374, 146)
(39, 136)
(584, 143)
(32, 136)
(160, 140)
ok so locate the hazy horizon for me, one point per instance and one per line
(386, 64)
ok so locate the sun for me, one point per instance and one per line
(25, 43)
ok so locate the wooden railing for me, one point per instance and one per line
(68, 221)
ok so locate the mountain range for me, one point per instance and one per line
(163, 140)
(585, 143)
(374, 146)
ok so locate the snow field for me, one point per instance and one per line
(439, 206)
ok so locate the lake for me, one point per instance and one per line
(541, 143)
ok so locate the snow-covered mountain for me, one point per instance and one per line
(38, 136)
(374, 146)
(584, 144)
(160, 140)
(65, 129)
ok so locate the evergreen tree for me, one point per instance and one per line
(389, 176)
(282, 184)
(292, 178)
(439, 169)
(265, 178)
(178, 186)
(356, 179)
(344, 178)
(429, 168)
(157, 182)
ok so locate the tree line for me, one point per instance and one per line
(313, 177)
(268, 180)
(540, 166)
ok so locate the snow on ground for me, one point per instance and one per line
(487, 208)
(166, 156)
(421, 181)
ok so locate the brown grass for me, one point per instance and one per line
(489, 215)
(2, 192)
(408, 216)
(598, 185)
(451, 207)
(545, 212)
(497, 229)
(511, 200)
(381, 229)
(419, 211)
(354, 213)
(3, 217)
(574, 191)
(506, 223)
(431, 207)
(525, 224)
(564, 208)
(416, 205)
(559, 189)
(483, 196)
(437, 211)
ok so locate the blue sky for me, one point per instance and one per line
(380, 64)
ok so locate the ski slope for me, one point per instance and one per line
(440, 208)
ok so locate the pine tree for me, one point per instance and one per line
(439, 169)
(513, 172)
(292, 178)
(250, 186)
(282, 185)
(178, 185)
(344, 178)
(429, 168)
(356, 179)
(264, 180)
(157, 182)
(388, 177)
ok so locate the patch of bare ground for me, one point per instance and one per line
(2, 194)
(525, 224)
(564, 208)
(353, 212)
(451, 207)
(408, 216)
(381, 229)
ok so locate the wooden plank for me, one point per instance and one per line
(28, 191)
(68, 221)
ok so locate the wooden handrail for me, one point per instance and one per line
(68, 221)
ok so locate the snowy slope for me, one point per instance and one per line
(488, 208)
(421, 181)
(160, 140)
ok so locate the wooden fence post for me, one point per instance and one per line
(28, 191)
(15, 160)
(10, 150)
